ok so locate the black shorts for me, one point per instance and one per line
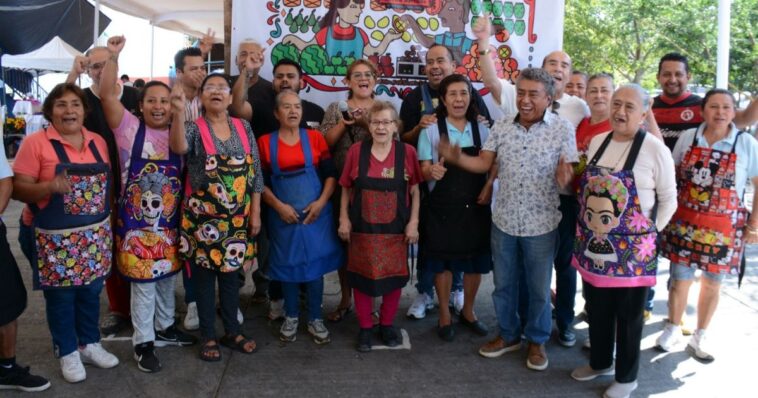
(12, 290)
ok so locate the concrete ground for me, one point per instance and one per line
(431, 368)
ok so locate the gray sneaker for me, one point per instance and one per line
(319, 332)
(288, 332)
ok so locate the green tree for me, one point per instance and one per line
(627, 38)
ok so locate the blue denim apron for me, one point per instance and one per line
(300, 252)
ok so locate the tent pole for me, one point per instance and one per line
(152, 48)
(722, 57)
(97, 23)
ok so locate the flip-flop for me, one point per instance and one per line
(339, 314)
(239, 346)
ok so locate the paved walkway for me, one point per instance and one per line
(431, 368)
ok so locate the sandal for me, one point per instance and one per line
(238, 343)
(210, 352)
(339, 314)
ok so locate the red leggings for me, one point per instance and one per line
(119, 292)
(364, 304)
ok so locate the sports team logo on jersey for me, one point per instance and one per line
(687, 115)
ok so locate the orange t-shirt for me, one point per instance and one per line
(37, 159)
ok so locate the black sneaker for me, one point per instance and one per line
(114, 324)
(173, 336)
(19, 378)
(389, 336)
(364, 340)
(144, 354)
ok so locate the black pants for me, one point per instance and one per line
(616, 315)
(228, 293)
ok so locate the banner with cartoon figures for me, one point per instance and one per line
(325, 36)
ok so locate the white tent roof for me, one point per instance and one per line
(191, 17)
(56, 55)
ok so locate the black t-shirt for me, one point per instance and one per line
(96, 123)
(262, 97)
(413, 107)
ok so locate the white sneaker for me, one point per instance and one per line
(288, 331)
(191, 320)
(456, 299)
(240, 317)
(319, 332)
(420, 305)
(72, 368)
(669, 337)
(95, 354)
(276, 310)
(620, 390)
(699, 347)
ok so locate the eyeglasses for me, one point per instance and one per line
(217, 89)
(358, 75)
(97, 66)
(383, 123)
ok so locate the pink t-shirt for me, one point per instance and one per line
(37, 159)
(156, 145)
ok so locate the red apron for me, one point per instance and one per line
(706, 230)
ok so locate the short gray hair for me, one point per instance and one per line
(249, 41)
(641, 93)
(538, 75)
(282, 94)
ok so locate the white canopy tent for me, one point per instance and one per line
(56, 56)
(191, 17)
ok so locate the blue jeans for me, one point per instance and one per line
(73, 316)
(314, 292)
(532, 255)
(565, 274)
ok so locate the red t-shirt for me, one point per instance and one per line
(586, 131)
(340, 33)
(381, 169)
(291, 157)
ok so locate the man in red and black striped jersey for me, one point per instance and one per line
(676, 109)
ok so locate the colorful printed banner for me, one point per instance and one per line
(326, 36)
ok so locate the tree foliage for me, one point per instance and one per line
(627, 38)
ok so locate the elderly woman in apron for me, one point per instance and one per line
(708, 232)
(615, 251)
(62, 174)
(147, 230)
(300, 178)
(379, 218)
(455, 215)
(220, 210)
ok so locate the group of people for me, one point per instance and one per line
(128, 188)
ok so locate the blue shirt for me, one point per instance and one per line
(746, 151)
(430, 138)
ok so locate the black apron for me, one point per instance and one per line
(377, 259)
(453, 225)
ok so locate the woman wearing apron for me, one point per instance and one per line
(62, 174)
(629, 172)
(220, 210)
(300, 178)
(147, 230)
(379, 219)
(341, 134)
(455, 215)
(708, 231)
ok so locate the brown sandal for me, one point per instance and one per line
(207, 351)
(239, 343)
